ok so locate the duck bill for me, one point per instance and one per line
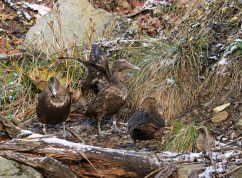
(53, 91)
(132, 66)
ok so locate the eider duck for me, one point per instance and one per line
(53, 104)
(109, 100)
(145, 123)
(97, 68)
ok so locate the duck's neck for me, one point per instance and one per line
(151, 109)
(116, 76)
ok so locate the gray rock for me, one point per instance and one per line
(13, 169)
(78, 18)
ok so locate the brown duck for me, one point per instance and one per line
(112, 97)
(53, 104)
(98, 74)
(145, 123)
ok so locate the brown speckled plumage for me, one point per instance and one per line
(53, 104)
(145, 123)
(109, 100)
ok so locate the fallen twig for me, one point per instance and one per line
(155, 171)
(75, 134)
(235, 140)
(230, 172)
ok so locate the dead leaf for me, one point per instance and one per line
(40, 77)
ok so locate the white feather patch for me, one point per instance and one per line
(58, 104)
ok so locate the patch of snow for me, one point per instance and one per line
(169, 154)
(170, 81)
(26, 132)
(152, 3)
(61, 141)
(42, 10)
(207, 172)
(228, 154)
(220, 167)
(55, 149)
(223, 61)
(35, 136)
(213, 57)
(27, 16)
(180, 157)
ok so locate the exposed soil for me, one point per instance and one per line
(86, 128)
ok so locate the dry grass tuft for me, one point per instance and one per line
(184, 73)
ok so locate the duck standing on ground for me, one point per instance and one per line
(147, 122)
(112, 97)
(53, 104)
(97, 68)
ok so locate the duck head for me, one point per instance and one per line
(149, 104)
(122, 64)
(53, 85)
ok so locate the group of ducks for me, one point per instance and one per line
(54, 103)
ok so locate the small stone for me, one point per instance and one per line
(190, 170)
(221, 108)
(238, 126)
(204, 142)
(219, 117)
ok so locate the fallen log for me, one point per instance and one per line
(106, 162)
(55, 157)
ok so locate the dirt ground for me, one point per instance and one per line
(86, 128)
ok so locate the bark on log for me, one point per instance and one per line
(60, 158)
(107, 162)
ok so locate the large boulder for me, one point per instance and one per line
(70, 23)
(9, 168)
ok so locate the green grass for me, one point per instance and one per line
(183, 137)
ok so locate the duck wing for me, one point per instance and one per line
(107, 102)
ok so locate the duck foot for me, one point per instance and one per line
(103, 135)
(115, 129)
(64, 129)
(44, 129)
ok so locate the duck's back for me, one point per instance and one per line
(107, 102)
(143, 125)
(53, 111)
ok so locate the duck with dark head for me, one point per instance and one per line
(97, 68)
(112, 97)
(53, 104)
(146, 122)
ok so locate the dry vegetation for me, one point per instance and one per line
(182, 73)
